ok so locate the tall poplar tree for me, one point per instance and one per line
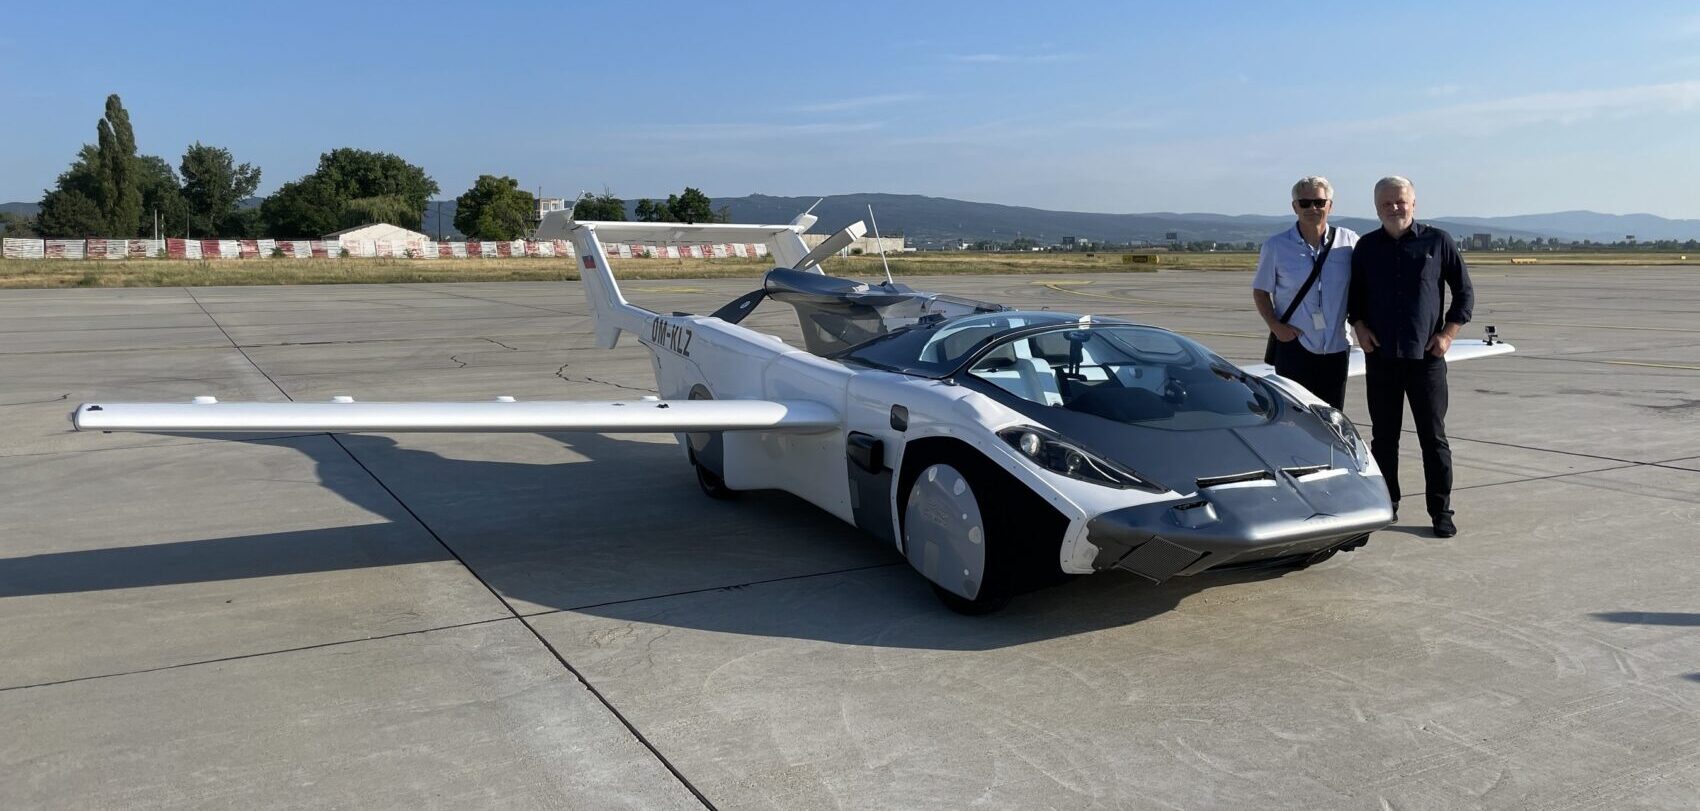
(120, 193)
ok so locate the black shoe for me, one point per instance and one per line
(1395, 511)
(1443, 526)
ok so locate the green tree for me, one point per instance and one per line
(213, 185)
(69, 215)
(390, 208)
(604, 207)
(16, 226)
(692, 206)
(351, 186)
(157, 184)
(120, 195)
(495, 208)
(306, 207)
(653, 211)
(71, 209)
(357, 173)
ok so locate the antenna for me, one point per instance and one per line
(881, 244)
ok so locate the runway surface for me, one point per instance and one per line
(540, 621)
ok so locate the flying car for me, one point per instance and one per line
(997, 449)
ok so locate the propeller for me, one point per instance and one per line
(735, 311)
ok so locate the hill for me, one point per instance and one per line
(941, 221)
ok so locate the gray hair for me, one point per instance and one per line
(1314, 182)
(1395, 182)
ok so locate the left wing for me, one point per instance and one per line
(504, 414)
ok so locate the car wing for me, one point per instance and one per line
(504, 414)
(1461, 350)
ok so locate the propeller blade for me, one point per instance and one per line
(743, 305)
(833, 244)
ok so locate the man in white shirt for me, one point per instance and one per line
(1311, 346)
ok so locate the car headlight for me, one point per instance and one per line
(1347, 432)
(1058, 455)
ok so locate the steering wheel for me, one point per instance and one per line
(1174, 391)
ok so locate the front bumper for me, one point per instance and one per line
(1240, 523)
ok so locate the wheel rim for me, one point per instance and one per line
(943, 531)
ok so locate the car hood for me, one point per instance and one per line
(1177, 459)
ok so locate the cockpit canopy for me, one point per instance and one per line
(1126, 373)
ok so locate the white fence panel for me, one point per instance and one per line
(17, 248)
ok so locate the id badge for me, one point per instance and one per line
(1316, 321)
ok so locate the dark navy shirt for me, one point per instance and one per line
(1399, 288)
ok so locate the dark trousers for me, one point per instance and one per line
(1389, 382)
(1324, 375)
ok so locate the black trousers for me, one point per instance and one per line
(1324, 375)
(1389, 382)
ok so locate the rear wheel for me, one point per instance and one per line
(712, 485)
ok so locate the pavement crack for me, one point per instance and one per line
(456, 359)
(499, 343)
(60, 399)
(562, 374)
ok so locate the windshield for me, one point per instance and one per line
(1130, 374)
(936, 348)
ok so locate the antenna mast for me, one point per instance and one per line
(881, 243)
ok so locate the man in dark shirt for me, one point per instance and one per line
(1396, 304)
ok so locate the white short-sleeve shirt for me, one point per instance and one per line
(1282, 267)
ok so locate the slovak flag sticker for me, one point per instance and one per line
(590, 263)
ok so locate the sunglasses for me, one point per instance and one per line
(1311, 203)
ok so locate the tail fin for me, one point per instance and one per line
(611, 310)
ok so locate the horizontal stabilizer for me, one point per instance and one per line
(560, 225)
(207, 415)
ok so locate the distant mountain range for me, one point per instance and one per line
(937, 221)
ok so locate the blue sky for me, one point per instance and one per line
(1491, 109)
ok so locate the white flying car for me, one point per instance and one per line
(998, 449)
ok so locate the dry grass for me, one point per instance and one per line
(196, 273)
(200, 273)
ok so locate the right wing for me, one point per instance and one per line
(344, 415)
(1461, 350)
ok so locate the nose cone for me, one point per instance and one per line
(1279, 515)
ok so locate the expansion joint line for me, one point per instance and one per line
(609, 705)
(236, 346)
(524, 621)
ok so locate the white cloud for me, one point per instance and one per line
(858, 103)
(749, 131)
(1560, 108)
(1012, 58)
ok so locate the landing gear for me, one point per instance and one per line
(711, 483)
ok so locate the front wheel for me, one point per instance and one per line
(946, 533)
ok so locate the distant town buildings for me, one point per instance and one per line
(548, 204)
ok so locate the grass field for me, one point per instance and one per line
(18, 273)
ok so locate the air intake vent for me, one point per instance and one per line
(1234, 478)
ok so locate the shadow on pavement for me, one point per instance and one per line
(626, 536)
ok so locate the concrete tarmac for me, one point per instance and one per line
(565, 621)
